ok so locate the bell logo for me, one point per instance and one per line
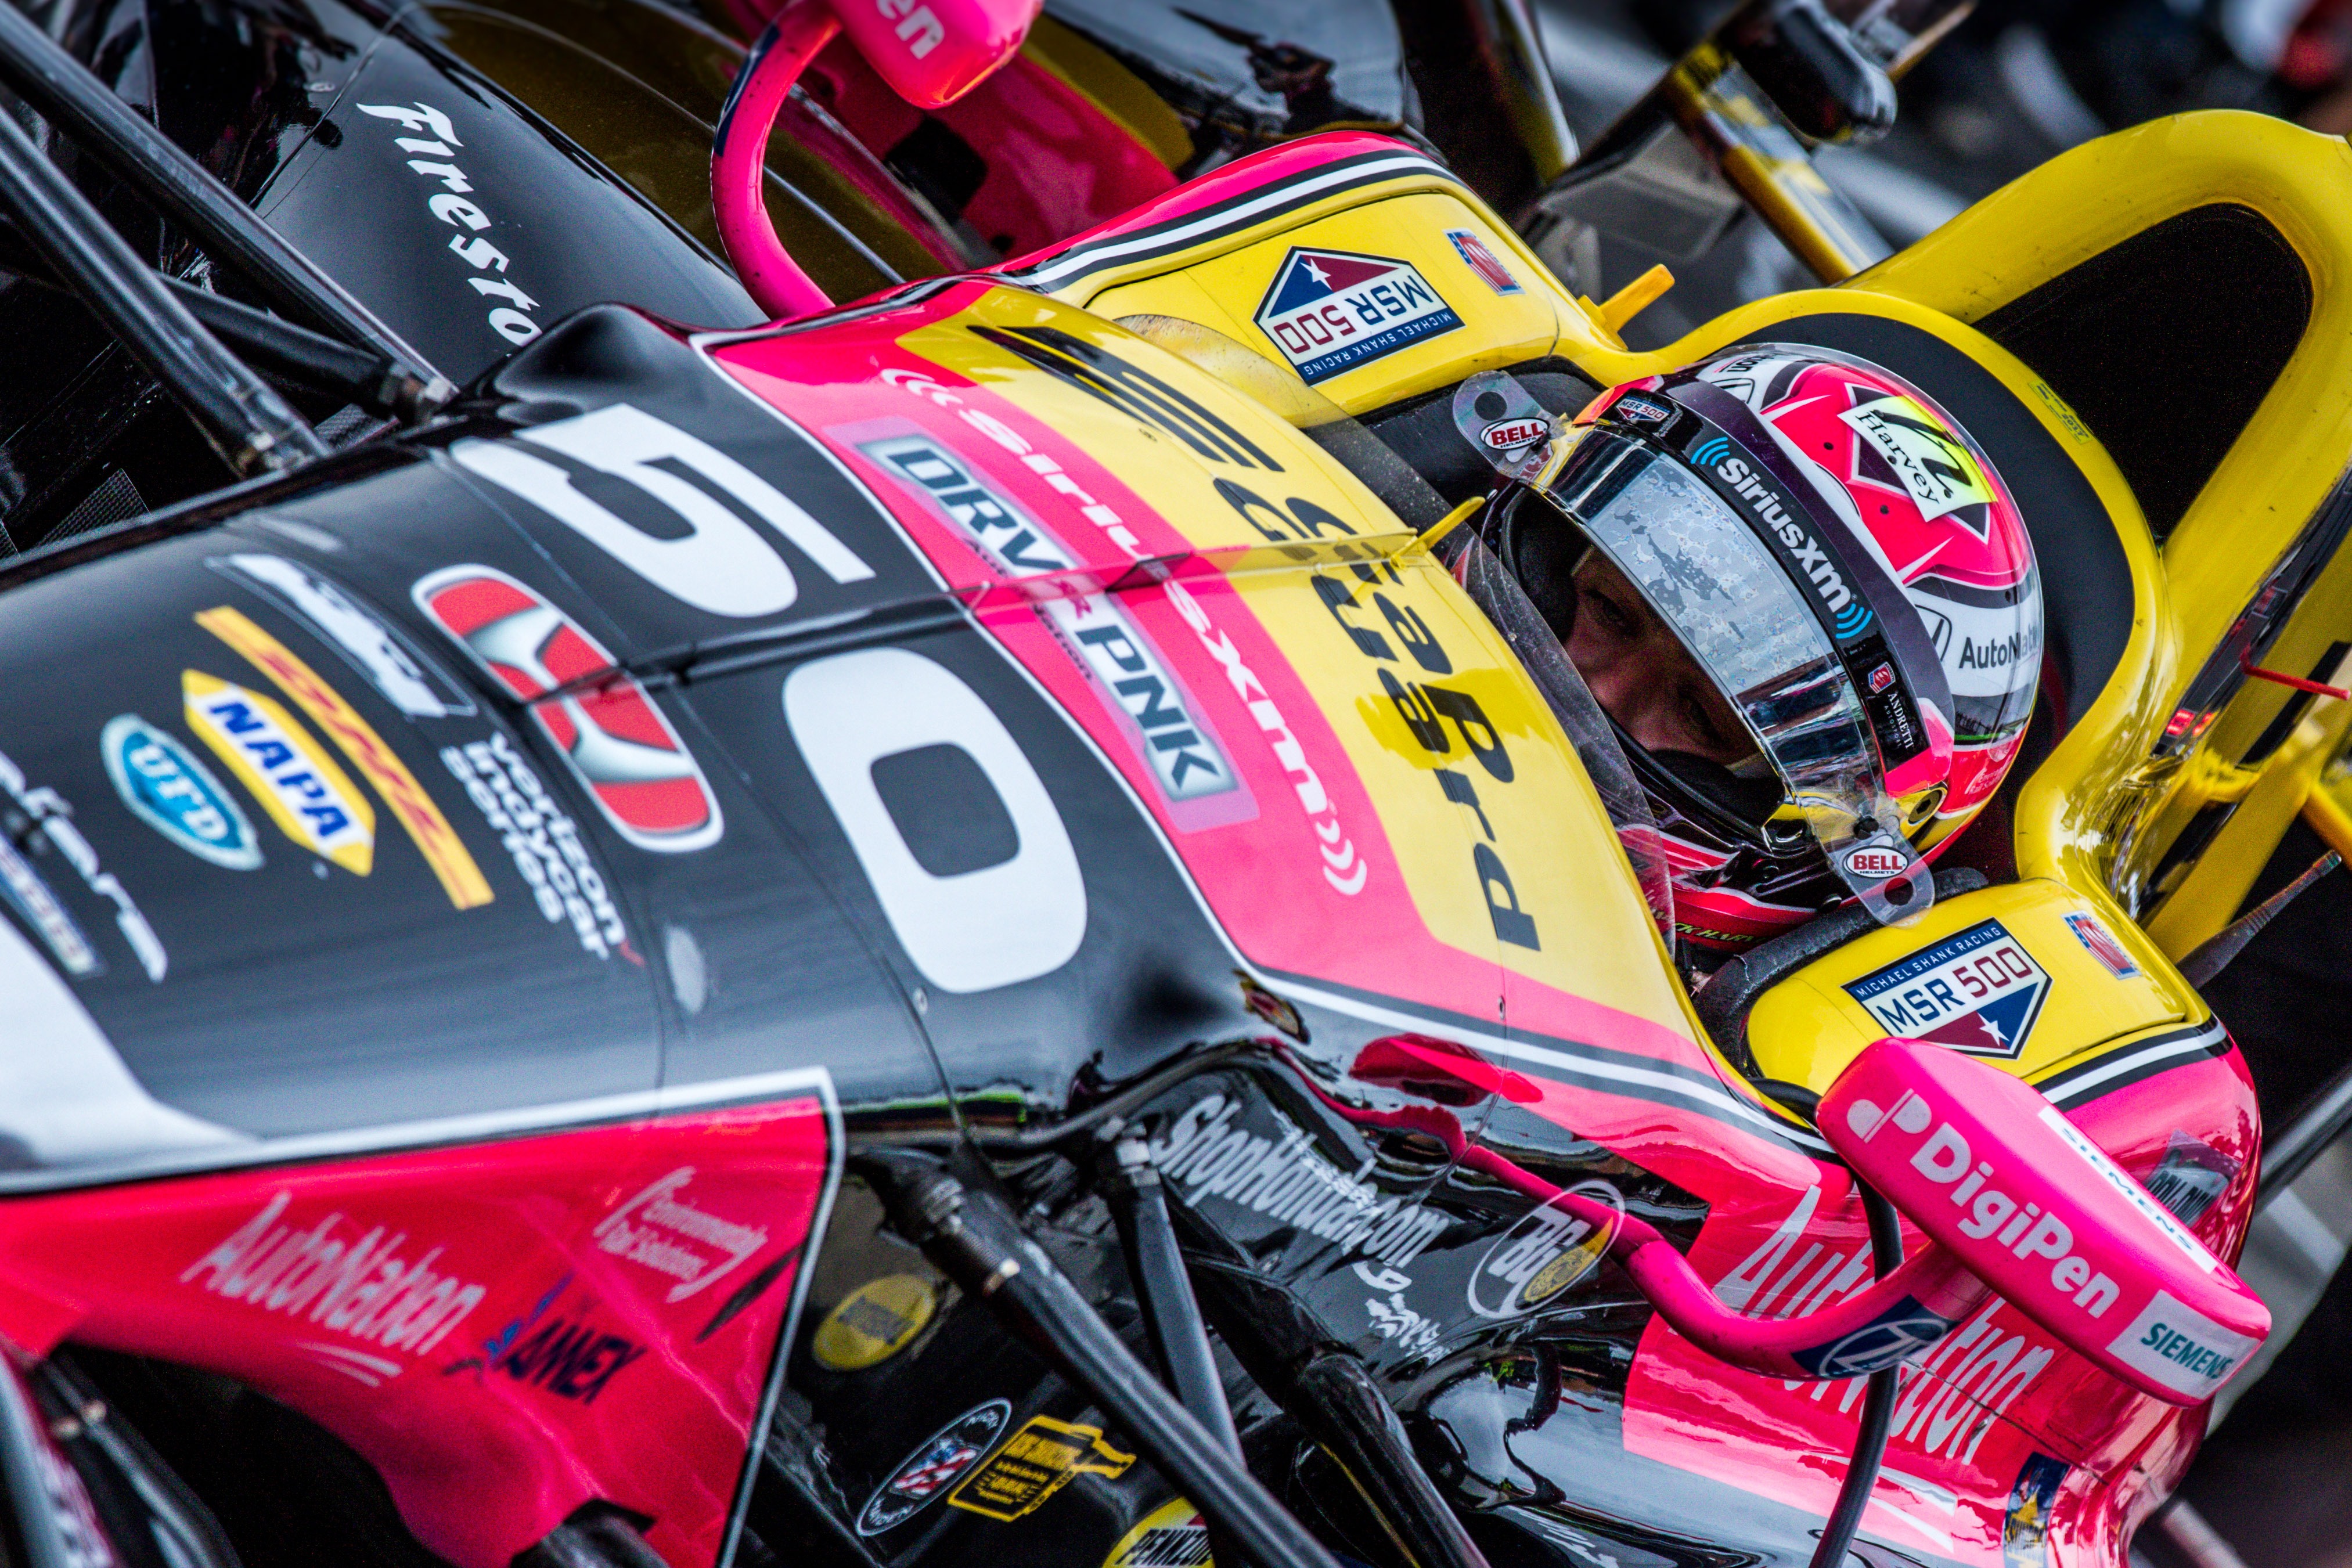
(1514, 433)
(1875, 860)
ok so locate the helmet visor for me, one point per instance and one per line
(1725, 597)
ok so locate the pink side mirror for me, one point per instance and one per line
(1997, 1175)
(931, 52)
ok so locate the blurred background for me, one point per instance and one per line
(2013, 84)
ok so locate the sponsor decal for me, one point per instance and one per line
(875, 1322)
(1133, 391)
(616, 742)
(1977, 990)
(2093, 933)
(1035, 1462)
(358, 1283)
(1185, 761)
(931, 1468)
(1875, 860)
(2181, 1347)
(415, 811)
(1881, 678)
(1399, 1325)
(567, 1356)
(670, 1236)
(382, 657)
(1945, 1158)
(1543, 1253)
(1478, 258)
(1426, 708)
(167, 789)
(1929, 462)
(2191, 1177)
(1642, 410)
(1342, 867)
(2025, 1527)
(310, 799)
(1896, 1334)
(1287, 1179)
(918, 27)
(544, 840)
(1783, 522)
(1508, 435)
(30, 896)
(29, 892)
(1172, 1535)
(1329, 311)
(2107, 1171)
(433, 143)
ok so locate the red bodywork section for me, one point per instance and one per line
(505, 1330)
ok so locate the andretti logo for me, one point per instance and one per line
(1331, 311)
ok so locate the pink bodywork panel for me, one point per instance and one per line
(499, 1327)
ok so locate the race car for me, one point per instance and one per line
(966, 926)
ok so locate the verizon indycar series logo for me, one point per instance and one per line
(1331, 311)
(1978, 991)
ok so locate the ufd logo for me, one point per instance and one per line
(1330, 310)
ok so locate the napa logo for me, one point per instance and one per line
(167, 789)
(311, 799)
(1331, 311)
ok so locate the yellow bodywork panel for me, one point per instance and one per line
(1548, 827)
(1808, 1028)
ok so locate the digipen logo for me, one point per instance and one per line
(1946, 1160)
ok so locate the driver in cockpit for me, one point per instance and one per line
(1808, 608)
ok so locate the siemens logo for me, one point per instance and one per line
(1812, 559)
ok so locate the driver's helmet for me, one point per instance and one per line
(1840, 560)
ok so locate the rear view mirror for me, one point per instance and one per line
(1994, 1173)
(932, 52)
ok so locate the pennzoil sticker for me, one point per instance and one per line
(931, 1468)
(1977, 990)
(1331, 311)
(1035, 1462)
(1172, 1535)
(874, 1322)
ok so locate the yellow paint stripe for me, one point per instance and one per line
(414, 809)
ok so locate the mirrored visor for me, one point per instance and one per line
(1720, 591)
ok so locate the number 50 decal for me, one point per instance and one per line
(721, 563)
(1018, 914)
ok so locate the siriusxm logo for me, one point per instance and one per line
(1848, 615)
(167, 789)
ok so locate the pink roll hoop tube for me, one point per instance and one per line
(931, 52)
